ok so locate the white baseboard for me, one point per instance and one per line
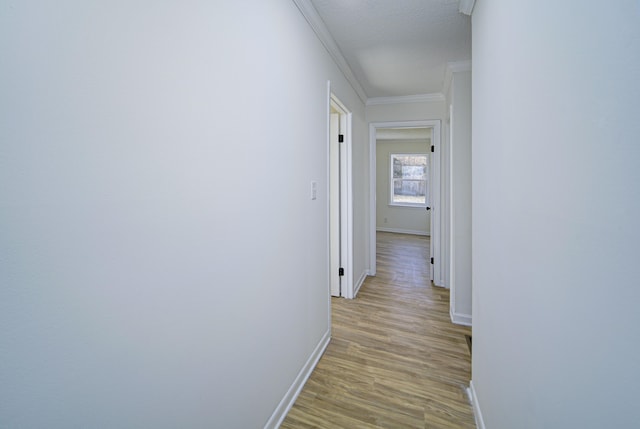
(292, 394)
(471, 391)
(359, 283)
(403, 231)
(460, 319)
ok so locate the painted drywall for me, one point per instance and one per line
(151, 273)
(413, 220)
(418, 111)
(459, 205)
(555, 227)
(445, 195)
(360, 184)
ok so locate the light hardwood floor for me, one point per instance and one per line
(395, 360)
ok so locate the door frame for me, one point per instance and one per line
(346, 194)
(434, 194)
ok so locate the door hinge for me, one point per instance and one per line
(433, 148)
(432, 260)
(341, 271)
(340, 138)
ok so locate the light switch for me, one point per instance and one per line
(314, 190)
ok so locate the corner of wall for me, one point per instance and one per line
(360, 282)
(459, 318)
(477, 413)
(290, 397)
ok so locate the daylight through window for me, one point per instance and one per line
(409, 174)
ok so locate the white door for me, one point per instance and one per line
(436, 208)
(431, 209)
(334, 203)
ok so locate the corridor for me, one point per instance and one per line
(395, 359)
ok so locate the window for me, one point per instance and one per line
(409, 180)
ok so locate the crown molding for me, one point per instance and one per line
(466, 6)
(454, 67)
(418, 98)
(315, 22)
(459, 66)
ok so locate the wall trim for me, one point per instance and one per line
(466, 6)
(292, 394)
(460, 319)
(315, 22)
(454, 67)
(418, 98)
(459, 66)
(404, 231)
(359, 283)
(477, 413)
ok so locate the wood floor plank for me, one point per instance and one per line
(395, 360)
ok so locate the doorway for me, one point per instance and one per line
(434, 191)
(340, 200)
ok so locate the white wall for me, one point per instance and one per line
(459, 208)
(140, 284)
(555, 226)
(418, 111)
(445, 195)
(360, 185)
(412, 220)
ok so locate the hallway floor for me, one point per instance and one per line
(395, 360)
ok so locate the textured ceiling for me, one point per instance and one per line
(398, 47)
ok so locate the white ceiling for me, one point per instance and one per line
(398, 47)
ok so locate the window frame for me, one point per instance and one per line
(425, 180)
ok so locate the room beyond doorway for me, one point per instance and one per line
(433, 126)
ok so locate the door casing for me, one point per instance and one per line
(434, 192)
(344, 230)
